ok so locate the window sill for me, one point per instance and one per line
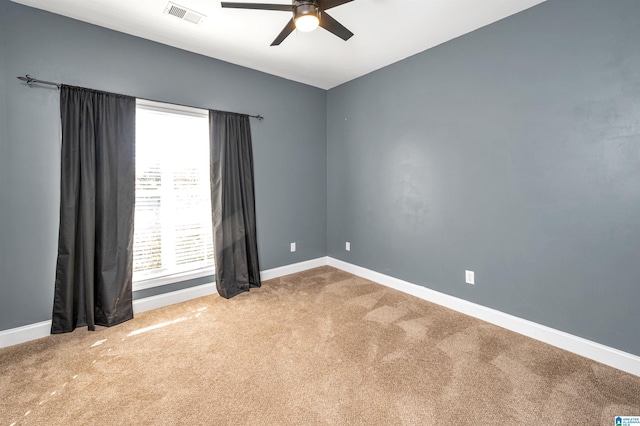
(171, 279)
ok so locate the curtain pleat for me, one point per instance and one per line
(233, 204)
(95, 257)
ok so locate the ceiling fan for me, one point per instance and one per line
(307, 16)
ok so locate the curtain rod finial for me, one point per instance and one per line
(28, 79)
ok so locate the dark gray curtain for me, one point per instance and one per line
(233, 204)
(95, 258)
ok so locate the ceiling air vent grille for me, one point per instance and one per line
(184, 13)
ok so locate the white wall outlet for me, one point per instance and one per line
(293, 247)
(470, 277)
(347, 246)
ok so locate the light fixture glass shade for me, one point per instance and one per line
(307, 22)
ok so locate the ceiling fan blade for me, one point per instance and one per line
(288, 29)
(328, 4)
(335, 27)
(259, 6)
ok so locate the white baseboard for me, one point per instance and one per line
(178, 296)
(38, 330)
(606, 355)
(583, 347)
(270, 274)
(166, 299)
(18, 335)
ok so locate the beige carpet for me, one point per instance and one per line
(320, 347)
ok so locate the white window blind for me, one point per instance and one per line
(172, 228)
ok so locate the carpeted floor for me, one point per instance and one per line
(321, 347)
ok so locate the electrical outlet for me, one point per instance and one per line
(293, 247)
(347, 246)
(470, 277)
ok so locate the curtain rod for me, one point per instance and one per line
(30, 81)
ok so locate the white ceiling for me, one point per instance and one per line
(386, 31)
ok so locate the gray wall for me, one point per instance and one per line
(4, 161)
(289, 145)
(513, 151)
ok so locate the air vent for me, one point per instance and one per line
(184, 13)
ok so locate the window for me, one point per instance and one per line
(172, 228)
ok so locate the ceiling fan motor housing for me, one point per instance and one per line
(302, 8)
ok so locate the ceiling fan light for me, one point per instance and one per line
(307, 23)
